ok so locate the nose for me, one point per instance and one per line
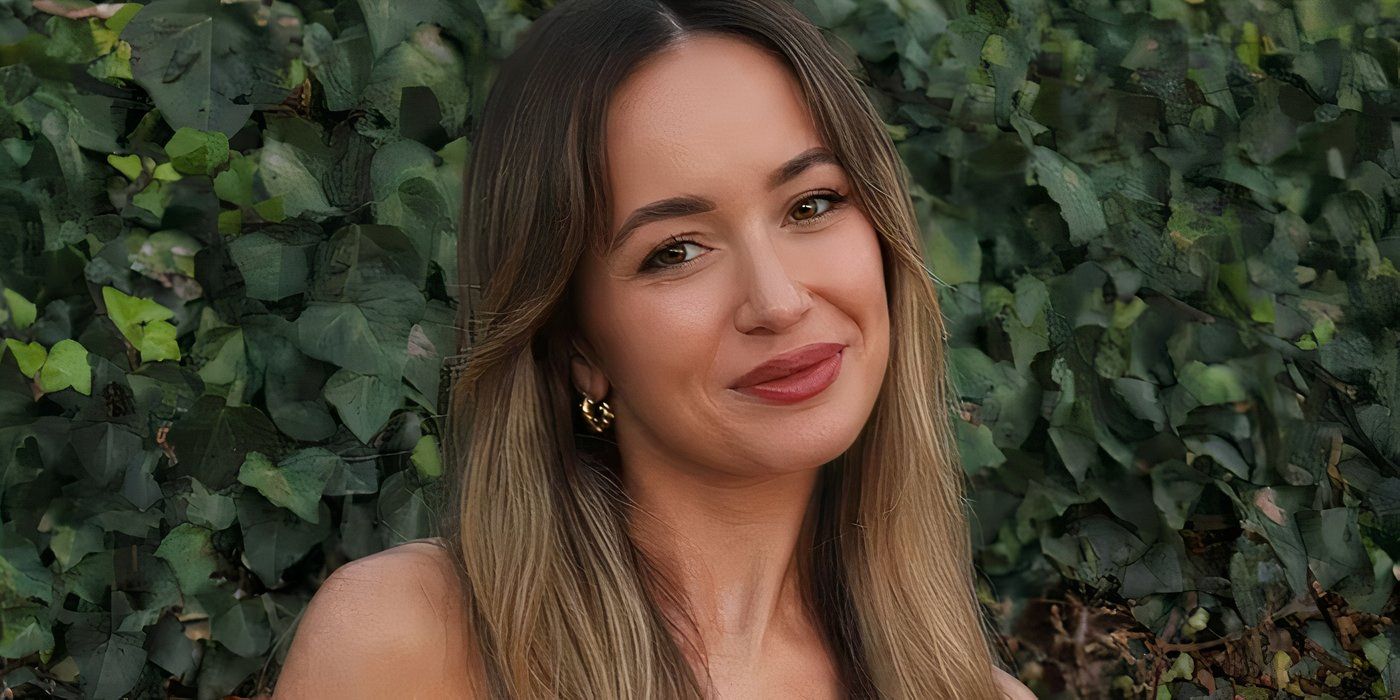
(774, 299)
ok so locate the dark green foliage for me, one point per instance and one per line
(1165, 231)
(1168, 239)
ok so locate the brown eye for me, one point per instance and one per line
(814, 215)
(809, 207)
(676, 254)
(670, 256)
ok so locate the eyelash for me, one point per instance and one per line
(837, 202)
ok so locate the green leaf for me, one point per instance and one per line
(158, 342)
(1073, 190)
(206, 64)
(390, 23)
(211, 439)
(67, 366)
(24, 630)
(22, 575)
(296, 483)
(277, 538)
(153, 198)
(165, 254)
(243, 628)
(428, 59)
(170, 648)
(190, 552)
(403, 511)
(1333, 542)
(71, 543)
(129, 312)
(291, 166)
(21, 310)
(1213, 384)
(341, 64)
(954, 254)
(207, 509)
(273, 209)
(426, 459)
(364, 401)
(367, 333)
(129, 165)
(293, 381)
(165, 172)
(109, 663)
(196, 152)
(221, 353)
(353, 476)
(30, 356)
(275, 263)
(235, 184)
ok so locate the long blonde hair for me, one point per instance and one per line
(562, 602)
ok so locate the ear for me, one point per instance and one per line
(587, 373)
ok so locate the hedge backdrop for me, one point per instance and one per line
(1164, 232)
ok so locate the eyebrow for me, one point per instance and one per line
(689, 205)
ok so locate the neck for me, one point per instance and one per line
(732, 547)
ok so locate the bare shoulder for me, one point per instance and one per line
(1011, 687)
(386, 625)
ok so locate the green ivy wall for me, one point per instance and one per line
(1165, 234)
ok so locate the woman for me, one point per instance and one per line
(703, 431)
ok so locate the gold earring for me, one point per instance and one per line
(598, 414)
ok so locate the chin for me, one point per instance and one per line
(807, 440)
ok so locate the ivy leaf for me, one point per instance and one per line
(426, 458)
(365, 402)
(21, 311)
(170, 648)
(24, 630)
(1334, 547)
(207, 509)
(30, 356)
(234, 184)
(196, 152)
(207, 64)
(292, 381)
(340, 64)
(277, 538)
(211, 439)
(128, 165)
(296, 483)
(367, 332)
(978, 449)
(1212, 384)
(131, 314)
(71, 543)
(243, 627)
(1073, 190)
(189, 551)
(158, 342)
(275, 261)
(67, 366)
(109, 662)
(21, 572)
(403, 510)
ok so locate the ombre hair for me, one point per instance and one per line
(561, 600)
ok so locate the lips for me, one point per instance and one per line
(788, 363)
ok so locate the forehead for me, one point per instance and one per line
(704, 112)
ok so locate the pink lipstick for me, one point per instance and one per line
(800, 385)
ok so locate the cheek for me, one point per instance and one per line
(857, 288)
(853, 275)
(661, 338)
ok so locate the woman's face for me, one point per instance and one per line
(669, 327)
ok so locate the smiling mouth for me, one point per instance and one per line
(800, 385)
